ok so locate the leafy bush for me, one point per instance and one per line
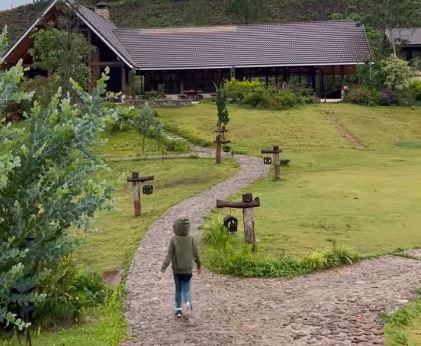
(363, 95)
(68, 291)
(177, 146)
(256, 94)
(236, 90)
(395, 73)
(46, 187)
(414, 88)
(227, 254)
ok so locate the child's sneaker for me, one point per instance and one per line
(188, 306)
(179, 313)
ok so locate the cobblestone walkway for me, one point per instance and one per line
(336, 307)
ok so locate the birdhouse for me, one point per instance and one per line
(231, 223)
(267, 160)
(148, 189)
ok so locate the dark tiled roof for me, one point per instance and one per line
(106, 29)
(408, 36)
(315, 43)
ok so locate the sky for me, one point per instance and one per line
(5, 4)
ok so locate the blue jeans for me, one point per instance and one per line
(182, 289)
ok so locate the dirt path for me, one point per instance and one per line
(344, 132)
(337, 307)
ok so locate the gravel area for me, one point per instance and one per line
(336, 307)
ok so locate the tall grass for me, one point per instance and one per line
(227, 254)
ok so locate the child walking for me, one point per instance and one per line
(182, 253)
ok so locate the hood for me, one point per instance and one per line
(181, 227)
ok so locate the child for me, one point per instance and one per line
(182, 252)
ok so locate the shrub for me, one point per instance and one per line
(46, 188)
(363, 95)
(414, 88)
(395, 73)
(256, 98)
(177, 146)
(255, 94)
(236, 90)
(68, 291)
(227, 254)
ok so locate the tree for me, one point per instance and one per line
(388, 14)
(60, 49)
(245, 11)
(145, 122)
(65, 54)
(46, 187)
(221, 105)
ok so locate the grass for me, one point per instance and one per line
(364, 199)
(403, 327)
(227, 254)
(118, 234)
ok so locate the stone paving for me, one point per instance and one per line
(336, 307)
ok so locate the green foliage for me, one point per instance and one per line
(65, 53)
(395, 73)
(414, 87)
(134, 84)
(145, 122)
(227, 254)
(43, 88)
(46, 187)
(236, 90)
(221, 105)
(363, 95)
(68, 291)
(256, 94)
(245, 11)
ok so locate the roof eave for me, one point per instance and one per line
(225, 67)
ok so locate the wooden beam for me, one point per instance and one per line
(139, 179)
(238, 205)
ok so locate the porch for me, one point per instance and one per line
(326, 81)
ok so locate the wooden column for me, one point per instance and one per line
(136, 181)
(247, 204)
(221, 138)
(276, 151)
(136, 197)
(218, 154)
(249, 232)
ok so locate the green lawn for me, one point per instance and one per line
(366, 199)
(403, 327)
(118, 233)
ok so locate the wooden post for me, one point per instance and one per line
(218, 149)
(247, 204)
(276, 151)
(249, 233)
(136, 181)
(136, 195)
(220, 139)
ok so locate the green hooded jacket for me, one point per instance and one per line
(182, 252)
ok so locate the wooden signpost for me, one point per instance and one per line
(247, 204)
(276, 151)
(221, 138)
(136, 180)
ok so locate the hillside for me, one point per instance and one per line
(159, 13)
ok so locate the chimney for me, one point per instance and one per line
(101, 8)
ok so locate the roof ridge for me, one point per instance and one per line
(239, 25)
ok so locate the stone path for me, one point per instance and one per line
(336, 307)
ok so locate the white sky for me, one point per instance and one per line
(5, 4)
